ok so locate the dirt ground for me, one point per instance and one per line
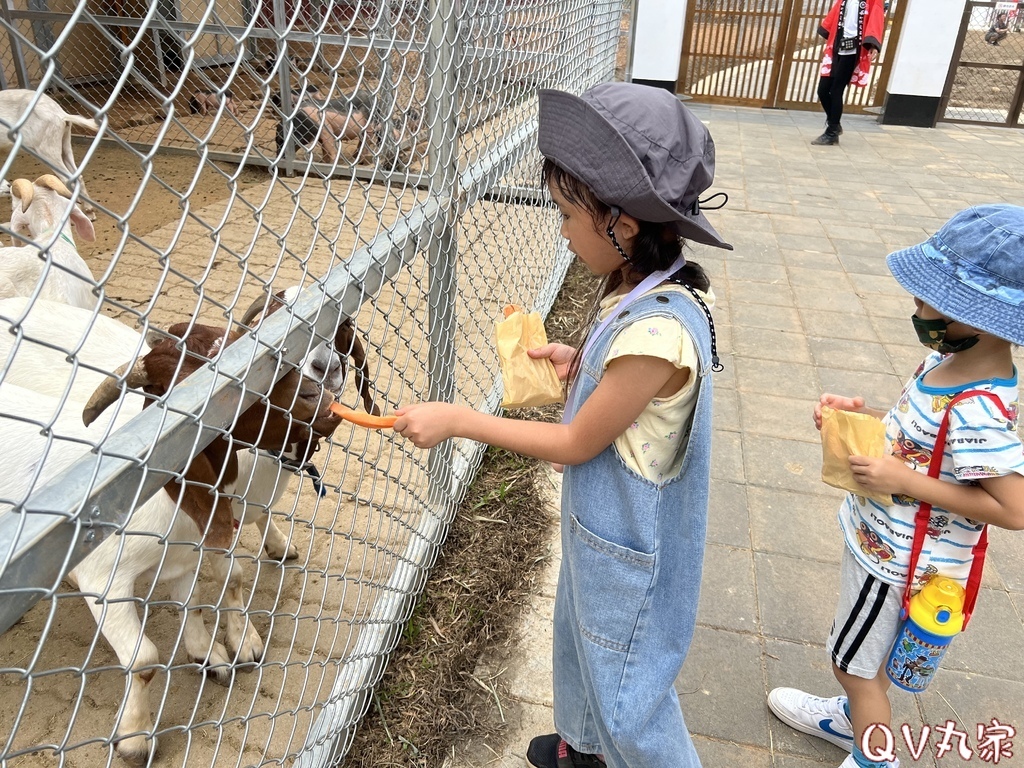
(114, 176)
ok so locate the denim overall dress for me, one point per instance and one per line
(632, 555)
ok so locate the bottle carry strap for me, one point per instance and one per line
(924, 514)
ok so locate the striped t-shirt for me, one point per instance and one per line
(980, 443)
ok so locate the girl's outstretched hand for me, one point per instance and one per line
(839, 403)
(427, 424)
(560, 355)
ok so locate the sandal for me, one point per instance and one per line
(552, 751)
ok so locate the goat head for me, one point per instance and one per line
(281, 421)
(346, 342)
(45, 217)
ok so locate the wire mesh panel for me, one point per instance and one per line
(266, 208)
(986, 77)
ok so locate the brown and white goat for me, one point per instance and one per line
(346, 341)
(156, 538)
(260, 484)
(41, 386)
(282, 420)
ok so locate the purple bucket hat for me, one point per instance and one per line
(637, 148)
(971, 270)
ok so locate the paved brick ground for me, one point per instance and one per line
(805, 305)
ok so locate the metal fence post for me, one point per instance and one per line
(17, 52)
(630, 8)
(442, 250)
(385, 102)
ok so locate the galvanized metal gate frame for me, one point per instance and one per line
(787, 58)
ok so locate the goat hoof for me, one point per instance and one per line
(218, 673)
(217, 665)
(136, 750)
(250, 650)
(290, 552)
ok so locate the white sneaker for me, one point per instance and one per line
(824, 718)
(851, 763)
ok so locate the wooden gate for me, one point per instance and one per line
(766, 53)
(986, 82)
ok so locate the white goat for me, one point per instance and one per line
(42, 213)
(39, 383)
(46, 131)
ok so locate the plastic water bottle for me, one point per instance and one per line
(936, 617)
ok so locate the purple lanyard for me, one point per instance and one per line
(651, 281)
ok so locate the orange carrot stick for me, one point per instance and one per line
(363, 419)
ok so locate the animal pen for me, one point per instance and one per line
(424, 220)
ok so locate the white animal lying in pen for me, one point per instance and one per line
(46, 131)
(42, 213)
(40, 385)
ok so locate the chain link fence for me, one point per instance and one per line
(986, 77)
(373, 165)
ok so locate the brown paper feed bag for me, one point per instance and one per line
(527, 382)
(845, 434)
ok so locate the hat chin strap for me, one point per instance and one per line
(616, 213)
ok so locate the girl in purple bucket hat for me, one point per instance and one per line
(968, 287)
(626, 166)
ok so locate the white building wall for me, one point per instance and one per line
(926, 46)
(658, 43)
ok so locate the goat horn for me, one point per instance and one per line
(108, 391)
(49, 181)
(22, 189)
(255, 310)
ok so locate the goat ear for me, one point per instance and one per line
(347, 344)
(81, 224)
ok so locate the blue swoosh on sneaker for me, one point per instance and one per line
(826, 726)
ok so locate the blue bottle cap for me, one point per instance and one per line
(943, 615)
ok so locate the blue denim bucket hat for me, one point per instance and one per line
(638, 148)
(971, 270)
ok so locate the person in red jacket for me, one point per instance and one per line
(853, 30)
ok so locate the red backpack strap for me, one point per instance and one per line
(924, 513)
(974, 579)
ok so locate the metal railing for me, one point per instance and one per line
(395, 191)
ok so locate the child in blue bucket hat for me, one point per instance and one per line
(968, 287)
(626, 166)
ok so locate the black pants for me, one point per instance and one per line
(832, 88)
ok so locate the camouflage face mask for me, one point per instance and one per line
(932, 333)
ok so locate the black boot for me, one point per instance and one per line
(829, 137)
